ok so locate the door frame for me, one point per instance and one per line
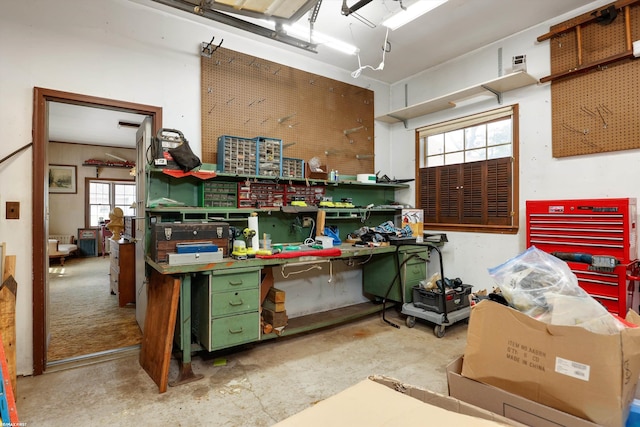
(39, 186)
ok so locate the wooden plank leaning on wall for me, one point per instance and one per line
(8, 290)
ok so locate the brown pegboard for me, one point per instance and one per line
(595, 111)
(315, 116)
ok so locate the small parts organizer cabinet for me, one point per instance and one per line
(269, 156)
(601, 227)
(250, 156)
(216, 194)
(123, 271)
(226, 308)
(237, 155)
(292, 168)
(377, 276)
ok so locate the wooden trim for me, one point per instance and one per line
(585, 18)
(39, 237)
(579, 43)
(627, 28)
(589, 67)
(497, 229)
(416, 172)
(515, 169)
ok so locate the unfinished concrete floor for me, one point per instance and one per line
(258, 386)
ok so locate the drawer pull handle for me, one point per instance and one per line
(236, 331)
(235, 304)
(235, 283)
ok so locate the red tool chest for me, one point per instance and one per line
(600, 227)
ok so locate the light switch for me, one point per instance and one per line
(13, 210)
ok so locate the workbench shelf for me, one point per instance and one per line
(223, 176)
(324, 319)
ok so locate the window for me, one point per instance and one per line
(105, 195)
(466, 172)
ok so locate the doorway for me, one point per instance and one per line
(42, 97)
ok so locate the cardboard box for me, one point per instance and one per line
(383, 401)
(507, 404)
(592, 376)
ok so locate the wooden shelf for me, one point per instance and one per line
(496, 87)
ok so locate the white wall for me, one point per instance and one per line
(469, 255)
(117, 49)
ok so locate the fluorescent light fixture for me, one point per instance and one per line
(412, 12)
(321, 39)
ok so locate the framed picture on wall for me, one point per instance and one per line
(62, 179)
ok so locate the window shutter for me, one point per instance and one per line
(428, 194)
(499, 195)
(474, 195)
(449, 192)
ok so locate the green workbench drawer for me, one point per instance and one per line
(234, 302)
(235, 280)
(234, 330)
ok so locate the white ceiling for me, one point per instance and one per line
(89, 125)
(451, 30)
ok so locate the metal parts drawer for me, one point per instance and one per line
(229, 281)
(233, 330)
(234, 302)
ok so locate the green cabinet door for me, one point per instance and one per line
(380, 274)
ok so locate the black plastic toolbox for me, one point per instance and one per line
(456, 298)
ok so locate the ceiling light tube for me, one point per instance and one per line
(412, 12)
(321, 39)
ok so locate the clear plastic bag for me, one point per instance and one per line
(543, 287)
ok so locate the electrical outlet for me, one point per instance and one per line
(306, 221)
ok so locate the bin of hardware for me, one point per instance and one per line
(434, 300)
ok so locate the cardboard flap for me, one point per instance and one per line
(633, 317)
(370, 404)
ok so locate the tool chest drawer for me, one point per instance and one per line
(593, 226)
(232, 281)
(608, 288)
(234, 302)
(233, 330)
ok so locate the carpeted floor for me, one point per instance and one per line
(84, 317)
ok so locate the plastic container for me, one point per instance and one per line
(434, 300)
